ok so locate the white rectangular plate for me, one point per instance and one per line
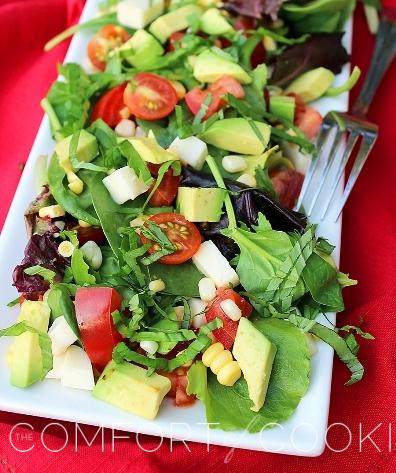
(303, 434)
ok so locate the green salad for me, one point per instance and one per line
(165, 254)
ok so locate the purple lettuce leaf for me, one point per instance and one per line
(320, 50)
(254, 8)
(41, 250)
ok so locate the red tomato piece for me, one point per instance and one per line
(175, 38)
(150, 96)
(85, 234)
(226, 334)
(309, 121)
(179, 381)
(244, 23)
(180, 232)
(167, 190)
(258, 55)
(222, 86)
(227, 85)
(94, 306)
(287, 184)
(195, 98)
(106, 39)
(109, 106)
(307, 118)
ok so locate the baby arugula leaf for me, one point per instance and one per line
(45, 273)
(80, 269)
(341, 347)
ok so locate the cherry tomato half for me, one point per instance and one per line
(174, 39)
(94, 306)
(227, 85)
(150, 96)
(178, 391)
(109, 106)
(309, 120)
(222, 86)
(106, 39)
(226, 334)
(287, 184)
(180, 232)
(167, 190)
(195, 98)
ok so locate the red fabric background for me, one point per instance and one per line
(368, 254)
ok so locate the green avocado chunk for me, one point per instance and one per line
(141, 49)
(25, 353)
(128, 387)
(255, 355)
(212, 22)
(149, 150)
(87, 149)
(200, 204)
(238, 135)
(209, 66)
(283, 106)
(312, 84)
(176, 20)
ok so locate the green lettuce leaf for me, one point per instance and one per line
(80, 269)
(345, 349)
(229, 408)
(321, 279)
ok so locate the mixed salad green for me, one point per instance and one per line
(164, 254)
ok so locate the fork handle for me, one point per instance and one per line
(384, 53)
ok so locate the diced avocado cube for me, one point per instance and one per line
(238, 135)
(312, 84)
(212, 22)
(200, 204)
(176, 20)
(87, 149)
(141, 49)
(26, 363)
(150, 151)
(36, 314)
(138, 13)
(255, 355)
(283, 106)
(209, 67)
(25, 360)
(128, 387)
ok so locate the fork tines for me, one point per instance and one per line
(323, 186)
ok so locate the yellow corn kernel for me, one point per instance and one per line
(157, 285)
(84, 224)
(269, 43)
(52, 211)
(125, 113)
(76, 186)
(138, 221)
(72, 176)
(179, 88)
(66, 165)
(229, 374)
(220, 361)
(211, 353)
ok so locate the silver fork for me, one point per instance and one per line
(327, 169)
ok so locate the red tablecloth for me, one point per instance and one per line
(368, 253)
